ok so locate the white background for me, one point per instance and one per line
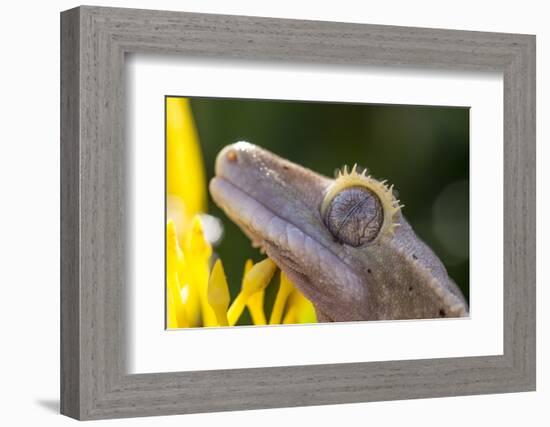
(29, 225)
(154, 350)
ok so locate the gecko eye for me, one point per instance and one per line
(357, 208)
(355, 216)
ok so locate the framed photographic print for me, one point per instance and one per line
(262, 213)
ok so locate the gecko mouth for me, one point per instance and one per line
(264, 228)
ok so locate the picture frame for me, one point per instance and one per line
(94, 267)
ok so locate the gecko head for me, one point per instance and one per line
(317, 229)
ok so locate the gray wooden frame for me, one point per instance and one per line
(94, 41)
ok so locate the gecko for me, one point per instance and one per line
(343, 241)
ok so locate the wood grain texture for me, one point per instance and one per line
(94, 270)
(70, 291)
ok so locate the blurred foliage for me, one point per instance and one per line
(423, 150)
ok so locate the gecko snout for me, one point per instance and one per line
(231, 156)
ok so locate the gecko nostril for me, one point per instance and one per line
(232, 156)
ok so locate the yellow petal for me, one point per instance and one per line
(236, 309)
(196, 246)
(291, 316)
(181, 267)
(197, 255)
(255, 302)
(285, 288)
(258, 277)
(176, 316)
(254, 281)
(218, 293)
(247, 267)
(299, 309)
(171, 319)
(185, 176)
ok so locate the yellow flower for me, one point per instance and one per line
(195, 295)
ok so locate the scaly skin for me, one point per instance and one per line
(277, 205)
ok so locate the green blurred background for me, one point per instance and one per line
(423, 151)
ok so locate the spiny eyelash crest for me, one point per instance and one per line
(358, 177)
